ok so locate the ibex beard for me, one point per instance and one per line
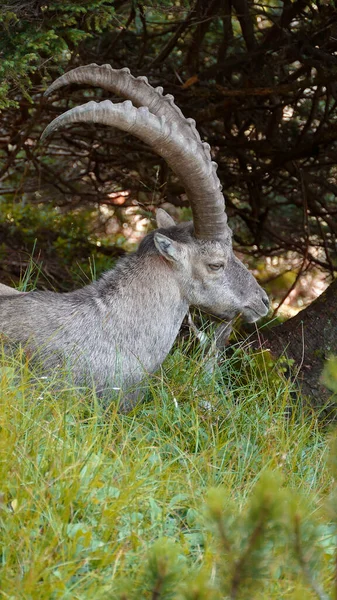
(120, 328)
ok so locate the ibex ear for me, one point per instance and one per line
(167, 248)
(164, 219)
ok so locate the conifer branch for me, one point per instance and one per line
(321, 595)
(156, 592)
(240, 564)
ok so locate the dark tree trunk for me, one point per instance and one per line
(309, 339)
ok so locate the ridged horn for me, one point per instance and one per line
(188, 157)
(137, 89)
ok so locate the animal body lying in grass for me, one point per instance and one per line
(121, 327)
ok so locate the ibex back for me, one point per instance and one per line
(121, 327)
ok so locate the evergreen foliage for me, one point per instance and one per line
(42, 35)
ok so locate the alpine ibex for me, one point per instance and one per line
(121, 327)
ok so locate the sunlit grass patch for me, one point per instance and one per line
(94, 503)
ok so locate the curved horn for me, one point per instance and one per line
(194, 166)
(136, 89)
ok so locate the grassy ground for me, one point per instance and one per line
(216, 487)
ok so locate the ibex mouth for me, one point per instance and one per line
(258, 309)
(251, 314)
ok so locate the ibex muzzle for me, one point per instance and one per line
(121, 327)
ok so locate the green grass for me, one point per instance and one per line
(178, 500)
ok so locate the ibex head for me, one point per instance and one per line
(209, 274)
(200, 254)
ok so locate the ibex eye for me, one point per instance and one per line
(216, 266)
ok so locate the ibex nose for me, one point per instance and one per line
(265, 299)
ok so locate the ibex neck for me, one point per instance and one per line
(145, 307)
